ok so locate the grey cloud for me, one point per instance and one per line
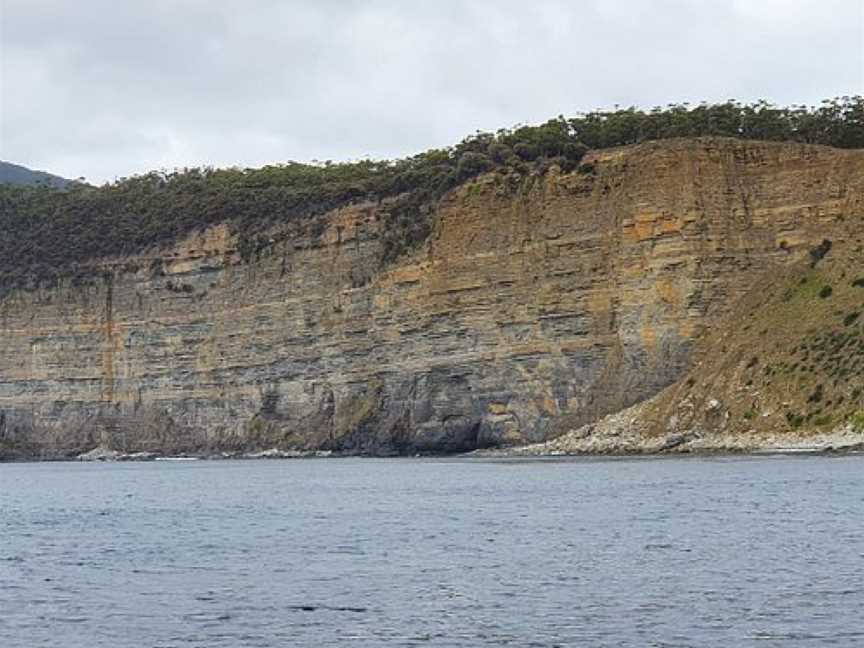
(105, 89)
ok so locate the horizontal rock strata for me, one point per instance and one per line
(537, 305)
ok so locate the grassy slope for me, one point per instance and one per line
(784, 369)
(788, 360)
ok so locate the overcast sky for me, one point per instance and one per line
(107, 88)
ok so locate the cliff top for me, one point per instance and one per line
(47, 233)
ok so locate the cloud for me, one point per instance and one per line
(104, 89)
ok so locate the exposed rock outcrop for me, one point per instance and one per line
(537, 305)
(783, 370)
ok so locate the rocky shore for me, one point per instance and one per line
(625, 433)
(615, 435)
(102, 453)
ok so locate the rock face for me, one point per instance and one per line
(784, 369)
(537, 305)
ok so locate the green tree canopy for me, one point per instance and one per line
(46, 232)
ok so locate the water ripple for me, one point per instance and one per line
(690, 552)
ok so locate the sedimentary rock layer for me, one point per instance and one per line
(538, 304)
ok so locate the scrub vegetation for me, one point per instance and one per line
(46, 232)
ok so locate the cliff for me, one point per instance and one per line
(537, 304)
(782, 371)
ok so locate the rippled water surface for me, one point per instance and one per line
(675, 552)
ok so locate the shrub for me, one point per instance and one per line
(565, 164)
(471, 164)
(817, 394)
(499, 153)
(526, 152)
(818, 253)
(794, 420)
(574, 151)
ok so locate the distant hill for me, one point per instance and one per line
(21, 175)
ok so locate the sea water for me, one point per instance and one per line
(765, 551)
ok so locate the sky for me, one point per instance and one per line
(103, 89)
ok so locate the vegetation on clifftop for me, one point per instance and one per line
(46, 232)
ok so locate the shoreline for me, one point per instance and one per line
(527, 452)
(843, 441)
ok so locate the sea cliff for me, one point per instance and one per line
(538, 304)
